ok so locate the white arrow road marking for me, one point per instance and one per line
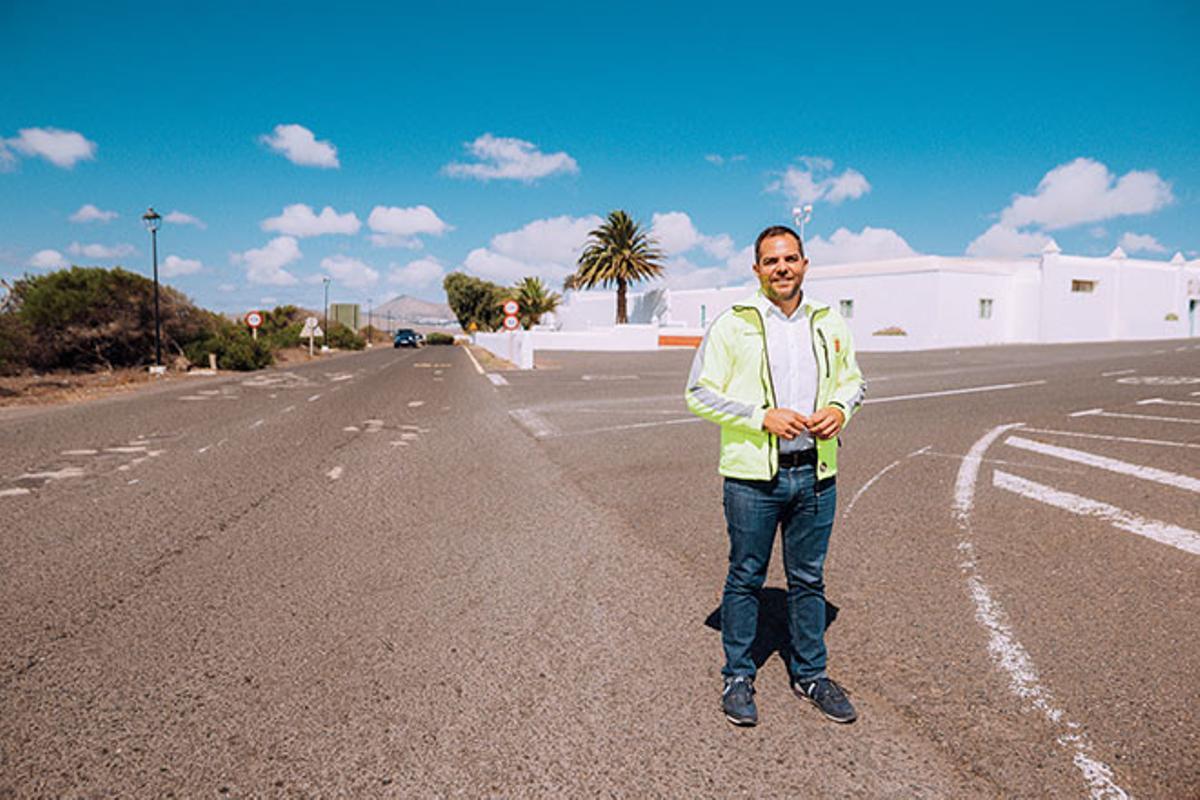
(1162, 476)
(1100, 412)
(1183, 538)
(1158, 401)
(1130, 439)
(1006, 651)
(948, 392)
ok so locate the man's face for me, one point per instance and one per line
(780, 267)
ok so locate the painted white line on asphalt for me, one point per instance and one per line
(610, 378)
(1099, 412)
(1185, 482)
(1185, 539)
(949, 392)
(1116, 372)
(14, 492)
(256, 423)
(192, 397)
(350, 429)
(1006, 651)
(863, 489)
(138, 449)
(132, 482)
(204, 449)
(1101, 436)
(415, 403)
(1159, 401)
(55, 475)
(631, 426)
(314, 398)
(80, 452)
(471, 356)
(533, 422)
(334, 473)
(497, 380)
(288, 410)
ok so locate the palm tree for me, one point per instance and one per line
(535, 300)
(619, 252)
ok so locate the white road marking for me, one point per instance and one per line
(204, 449)
(288, 410)
(1100, 412)
(497, 380)
(631, 426)
(1185, 482)
(345, 376)
(1158, 401)
(314, 398)
(373, 425)
(192, 397)
(863, 489)
(399, 443)
(350, 429)
(533, 422)
(80, 452)
(1185, 539)
(1116, 372)
(131, 449)
(416, 403)
(471, 356)
(14, 492)
(610, 378)
(55, 475)
(948, 392)
(1129, 439)
(132, 482)
(1006, 651)
(334, 473)
(408, 436)
(256, 423)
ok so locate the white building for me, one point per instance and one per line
(929, 301)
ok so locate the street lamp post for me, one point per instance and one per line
(370, 307)
(152, 220)
(326, 280)
(802, 214)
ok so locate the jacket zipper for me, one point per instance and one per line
(762, 326)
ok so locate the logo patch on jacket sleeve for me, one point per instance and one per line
(837, 345)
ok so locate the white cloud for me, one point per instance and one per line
(1141, 243)
(61, 148)
(675, 233)
(100, 251)
(545, 248)
(299, 220)
(226, 288)
(351, 272)
(266, 264)
(394, 226)
(48, 259)
(510, 159)
(173, 266)
(89, 213)
(870, 244)
(809, 182)
(1083, 191)
(268, 300)
(716, 159)
(298, 145)
(1001, 241)
(422, 272)
(180, 218)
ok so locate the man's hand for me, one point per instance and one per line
(785, 423)
(827, 422)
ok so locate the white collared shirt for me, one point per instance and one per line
(793, 364)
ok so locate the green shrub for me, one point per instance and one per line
(235, 350)
(341, 337)
(15, 345)
(439, 338)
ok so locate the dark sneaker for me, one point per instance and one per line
(737, 700)
(826, 695)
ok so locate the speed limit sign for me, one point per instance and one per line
(511, 308)
(511, 323)
(254, 319)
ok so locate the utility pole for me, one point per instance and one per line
(326, 281)
(152, 221)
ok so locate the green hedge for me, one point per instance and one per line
(439, 338)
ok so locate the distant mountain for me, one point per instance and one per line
(414, 312)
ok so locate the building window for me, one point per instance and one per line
(847, 307)
(1083, 286)
(985, 308)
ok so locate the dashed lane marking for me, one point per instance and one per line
(1185, 539)
(1107, 438)
(334, 473)
(288, 410)
(54, 475)
(610, 378)
(1116, 372)
(497, 380)
(1185, 482)
(130, 449)
(998, 387)
(80, 452)
(415, 403)
(14, 492)
(1100, 412)
(1159, 401)
(350, 429)
(314, 398)
(256, 423)
(1006, 651)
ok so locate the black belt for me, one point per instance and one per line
(798, 458)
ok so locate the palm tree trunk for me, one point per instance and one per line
(622, 315)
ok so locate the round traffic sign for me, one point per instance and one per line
(511, 308)
(254, 319)
(511, 323)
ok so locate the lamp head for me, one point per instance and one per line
(151, 220)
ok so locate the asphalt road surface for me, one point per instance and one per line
(392, 575)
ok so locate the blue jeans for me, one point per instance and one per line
(753, 511)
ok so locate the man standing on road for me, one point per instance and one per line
(777, 372)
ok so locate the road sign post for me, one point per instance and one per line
(254, 319)
(511, 324)
(311, 329)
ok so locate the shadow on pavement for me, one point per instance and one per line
(772, 634)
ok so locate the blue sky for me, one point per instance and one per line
(488, 137)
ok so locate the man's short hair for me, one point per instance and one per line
(776, 230)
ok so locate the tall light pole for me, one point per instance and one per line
(370, 306)
(802, 214)
(152, 221)
(326, 281)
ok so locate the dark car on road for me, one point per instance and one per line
(406, 337)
